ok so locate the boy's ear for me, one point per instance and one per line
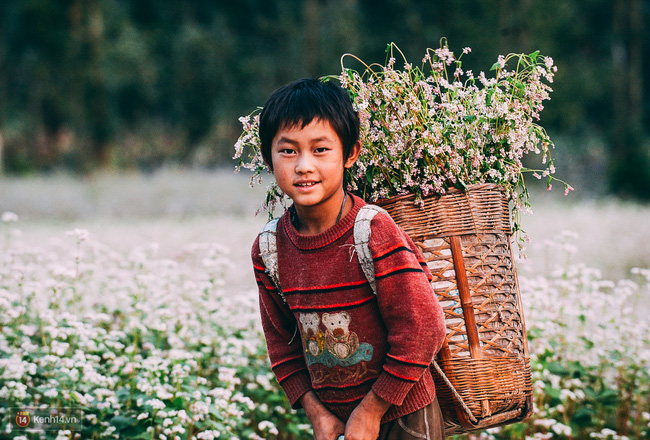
(354, 154)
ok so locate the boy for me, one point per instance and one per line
(358, 363)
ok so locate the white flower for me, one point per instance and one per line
(79, 234)
(63, 435)
(155, 404)
(645, 415)
(266, 425)
(561, 429)
(8, 217)
(567, 395)
(547, 423)
(208, 435)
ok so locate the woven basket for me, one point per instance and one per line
(482, 373)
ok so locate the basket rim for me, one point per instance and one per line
(452, 191)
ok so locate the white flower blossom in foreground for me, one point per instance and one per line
(147, 344)
(9, 217)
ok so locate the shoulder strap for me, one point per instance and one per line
(269, 252)
(362, 233)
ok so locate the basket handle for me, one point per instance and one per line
(465, 295)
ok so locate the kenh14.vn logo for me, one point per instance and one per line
(23, 419)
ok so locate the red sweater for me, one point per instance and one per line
(333, 335)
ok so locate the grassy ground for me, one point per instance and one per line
(173, 207)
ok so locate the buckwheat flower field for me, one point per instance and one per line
(131, 299)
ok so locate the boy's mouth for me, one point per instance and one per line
(305, 184)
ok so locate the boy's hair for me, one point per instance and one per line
(298, 103)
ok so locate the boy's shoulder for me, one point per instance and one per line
(369, 222)
(270, 227)
(385, 231)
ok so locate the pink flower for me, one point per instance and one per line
(445, 55)
(548, 61)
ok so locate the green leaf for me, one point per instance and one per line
(178, 403)
(590, 392)
(557, 369)
(123, 422)
(488, 97)
(533, 56)
(369, 174)
(495, 66)
(123, 393)
(533, 333)
(582, 417)
(608, 397)
(587, 343)
(142, 436)
(582, 318)
(553, 393)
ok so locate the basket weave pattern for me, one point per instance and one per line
(465, 239)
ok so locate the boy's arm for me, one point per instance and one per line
(408, 307)
(364, 421)
(326, 425)
(283, 339)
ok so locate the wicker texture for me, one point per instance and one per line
(465, 239)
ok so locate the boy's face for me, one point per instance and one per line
(308, 165)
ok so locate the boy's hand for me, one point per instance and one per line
(325, 424)
(364, 421)
(327, 427)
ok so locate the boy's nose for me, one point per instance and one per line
(305, 164)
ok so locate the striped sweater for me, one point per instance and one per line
(333, 335)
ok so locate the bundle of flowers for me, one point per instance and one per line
(428, 129)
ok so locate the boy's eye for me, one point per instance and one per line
(286, 151)
(321, 149)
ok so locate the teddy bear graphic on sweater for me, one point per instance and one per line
(337, 345)
(339, 340)
(312, 335)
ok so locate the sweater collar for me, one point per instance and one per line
(306, 242)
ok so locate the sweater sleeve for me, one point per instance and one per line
(281, 333)
(408, 307)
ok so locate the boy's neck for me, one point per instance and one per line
(315, 220)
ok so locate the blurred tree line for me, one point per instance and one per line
(141, 83)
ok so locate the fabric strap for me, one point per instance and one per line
(362, 234)
(362, 231)
(269, 252)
